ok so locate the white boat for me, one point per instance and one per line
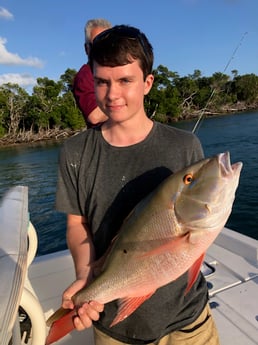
(31, 288)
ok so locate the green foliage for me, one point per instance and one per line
(52, 106)
(67, 79)
(71, 116)
(13, 102)
(246, 88)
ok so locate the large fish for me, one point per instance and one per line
(165, 235)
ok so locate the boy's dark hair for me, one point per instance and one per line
(121, 45)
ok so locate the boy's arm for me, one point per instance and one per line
(79, 241)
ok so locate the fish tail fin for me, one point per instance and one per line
(193, 272)
(127, 306)
(61, 323)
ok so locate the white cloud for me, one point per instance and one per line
(4, 13)
(23, 80)
(7, 58)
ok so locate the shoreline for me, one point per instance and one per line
(57, 135)
(36, 138)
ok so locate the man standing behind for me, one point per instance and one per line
(83, 87)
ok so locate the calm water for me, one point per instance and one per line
(36, 167)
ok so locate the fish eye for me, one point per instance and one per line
(188, 178)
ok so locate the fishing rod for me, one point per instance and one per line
(202, 114)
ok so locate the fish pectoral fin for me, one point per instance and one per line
(127, 306)
(61, 323)
(193, 272)
(168, 246)
(196, 235)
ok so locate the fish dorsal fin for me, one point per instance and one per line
(193, 272)
(127, 306)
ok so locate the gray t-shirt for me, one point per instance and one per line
(104, 183)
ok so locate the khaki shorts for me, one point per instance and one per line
(201, 332)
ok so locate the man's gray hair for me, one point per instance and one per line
(95, 23)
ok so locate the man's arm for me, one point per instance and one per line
(96, 117)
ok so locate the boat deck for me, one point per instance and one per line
(234, 287)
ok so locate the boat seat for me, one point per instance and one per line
(18, 245)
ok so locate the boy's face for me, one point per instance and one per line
(120, 90)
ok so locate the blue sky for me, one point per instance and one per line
(42, 38)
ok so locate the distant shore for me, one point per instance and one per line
(62, 134)
(31, 138)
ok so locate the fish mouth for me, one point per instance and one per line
(225, 164)
(206, 204)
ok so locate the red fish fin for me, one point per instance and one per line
(127, 306)
(193, 272)
(61, 327)
(167, 246)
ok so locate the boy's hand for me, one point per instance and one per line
(88, 312)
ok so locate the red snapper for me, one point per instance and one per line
(166, 235)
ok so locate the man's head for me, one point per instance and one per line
(92, 28)
(121, 45)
